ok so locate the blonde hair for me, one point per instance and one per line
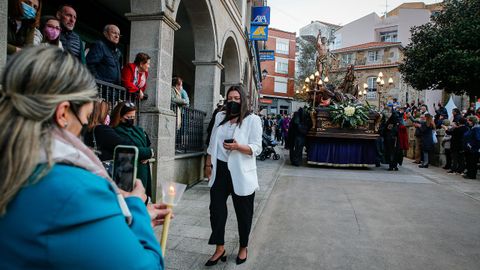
(33, 84)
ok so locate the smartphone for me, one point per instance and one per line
(125, 158)
(228, 141)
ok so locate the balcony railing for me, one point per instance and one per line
(113, 94)
(189, 129)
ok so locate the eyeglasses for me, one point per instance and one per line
(54, 27)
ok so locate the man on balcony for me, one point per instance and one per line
(71, 41)
(104, 57)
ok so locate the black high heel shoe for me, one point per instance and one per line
(223, 258)
(240, 261)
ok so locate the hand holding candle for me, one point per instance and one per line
(171, 194)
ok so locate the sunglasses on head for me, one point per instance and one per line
(129, 105)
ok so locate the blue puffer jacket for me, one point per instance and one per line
(104, 61)
(70, 219)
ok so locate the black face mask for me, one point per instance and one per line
(129, 122)
(233, 108)
(84, 128)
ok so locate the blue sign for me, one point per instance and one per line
(260, 16)
(258, 32)
(267, 55)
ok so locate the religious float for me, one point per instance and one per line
(344, 129)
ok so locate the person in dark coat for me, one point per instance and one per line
(426, 131)
(219, 108)
(123, 122)
(391, 141)
(472, 147)
(100, 136)
(70, 40)
(299, 127)
(104, 58)
(22, 23)
(456, 146)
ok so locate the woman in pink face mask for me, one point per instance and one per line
(50, 27)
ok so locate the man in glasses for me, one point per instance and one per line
(71, 41)
(104, 58)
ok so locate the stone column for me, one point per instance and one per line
(207, 87)
(153, 33)
(3, 33)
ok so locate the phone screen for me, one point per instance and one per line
(124, 165)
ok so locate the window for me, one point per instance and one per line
(283, 110)
(282, 46)
(389, 36)
(280, 85)
(373, 56)
(372, 88)
(281, 65)
(346, 59)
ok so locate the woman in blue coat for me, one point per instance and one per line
(426, 131)
(58, 207)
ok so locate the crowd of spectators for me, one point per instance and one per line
(461, 141)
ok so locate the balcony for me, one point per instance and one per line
(189, 129)
(188, 137)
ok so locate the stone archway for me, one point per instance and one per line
(231, 73)
(195, 46)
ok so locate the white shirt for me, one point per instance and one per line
(225, 132)
(242, 167)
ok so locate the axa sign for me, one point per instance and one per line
(260, 16)
(258, 32)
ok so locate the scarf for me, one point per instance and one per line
(69, 149)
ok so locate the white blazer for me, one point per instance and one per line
(243, 168)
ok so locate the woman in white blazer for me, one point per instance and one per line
(231, 167)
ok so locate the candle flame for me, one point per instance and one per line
(171, 190)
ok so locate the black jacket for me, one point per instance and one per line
(104, 61)
(72, 43)
(107, 139)
(457, 133)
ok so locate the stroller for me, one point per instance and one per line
(268, 148)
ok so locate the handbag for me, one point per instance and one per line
(434, 137)
(107, 164)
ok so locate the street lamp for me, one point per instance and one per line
(381, 84)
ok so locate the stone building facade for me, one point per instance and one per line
(206, 42)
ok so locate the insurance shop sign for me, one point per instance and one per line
(259, 23)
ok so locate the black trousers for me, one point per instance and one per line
(458, 160)
(296, 150)
(243, 205)
(471, 164)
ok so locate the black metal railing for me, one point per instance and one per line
(189, 129)
(113, 94)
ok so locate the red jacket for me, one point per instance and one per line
(403, 137)
(128, 76)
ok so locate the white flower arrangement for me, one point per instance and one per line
(349, 114)
(349, 111)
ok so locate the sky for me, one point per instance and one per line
(291, 15)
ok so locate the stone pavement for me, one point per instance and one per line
(187, 246)
(332, 218)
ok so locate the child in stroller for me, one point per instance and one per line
(268, 148)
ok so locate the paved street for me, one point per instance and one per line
(324, 218)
